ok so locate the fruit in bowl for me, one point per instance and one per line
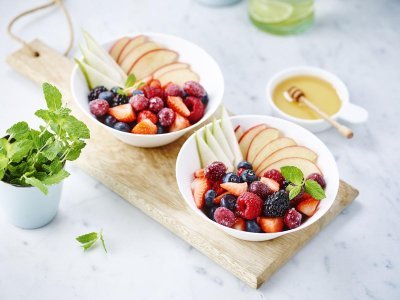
(143, 88)
(251, 199)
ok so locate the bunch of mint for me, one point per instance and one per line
(297, 182)
(30, 157)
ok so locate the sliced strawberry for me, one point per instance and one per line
(217, 187)
(146, 114)
(235, 189)
(217, 199)
(271, 225)
(145, 127)
(196, 108)
(176, 104)
(308, 206)
(179, 123)
(199, 188)
(270, 183)
(240, 224)
(199, 173)
(123, 113)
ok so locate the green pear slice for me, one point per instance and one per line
(227, 128)
(220, 137)
(216, 148)
(95, 78)
(207, 156)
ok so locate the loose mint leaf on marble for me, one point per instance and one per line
(294, 192)
(89, 239)
(52, 96)
(18, 131)
(293, 174)
(102, 241)
(314, 189)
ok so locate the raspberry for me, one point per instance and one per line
(275, 175)
(224, 216)
(173, 89)
(139, 102)
(99, 107)
(249, 205)
(318, 178)
(292, 219)
(193, 88)
(156, 104)
(196, 108)
(166, 116)
(146, 114)
(217, 187)
(94, 94)
(260, 189)
(153, 91)
(215, 171)
(276, 204)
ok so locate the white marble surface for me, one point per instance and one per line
(356, 257)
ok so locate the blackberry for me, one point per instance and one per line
(276, 205)
(119, 100)
(94, 94)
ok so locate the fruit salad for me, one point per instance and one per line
(138, 86)
(260, 181)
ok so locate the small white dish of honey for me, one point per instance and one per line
(322, 88)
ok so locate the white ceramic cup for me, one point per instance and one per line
(348, 112)
(28, 207)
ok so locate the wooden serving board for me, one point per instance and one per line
(146, 178)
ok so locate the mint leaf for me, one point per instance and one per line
(102, 241)
(36, 183)
(294, 192)
(89, 244)
(18, 150)
(51, 151)
(56, 178)
(314, 189)
(130, 81)
(52, 96)
(88, 237)
(75, 150)
(18, 131)
(293, 174)
(3, 165)
(76, 129)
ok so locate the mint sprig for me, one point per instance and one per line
(296, 178)
(30, 157)
(89, 239)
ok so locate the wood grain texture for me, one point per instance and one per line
(146, 178)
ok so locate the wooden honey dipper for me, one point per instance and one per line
(294, 94)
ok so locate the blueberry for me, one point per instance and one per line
(204, 100)
(110, 120)
(245, 165)
(115, 89)
(108, 96)
(209, 197)
(161, 129)
(252, 226)
(137, 92)
(210, 213)
(121, 126)
(249, 176)
(230, 177)
(229, 201)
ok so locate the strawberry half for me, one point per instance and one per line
(217, 187)
(199, 188)
(199, 173)
(176, 104)
(240, 224)
(308, 206)
(180, 122)
(123, 113)
(235, 189)
(271, 225)
(273, 185)
(145, 127)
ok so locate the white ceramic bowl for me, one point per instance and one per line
(349, 112)
(200, 62)
(188, 161)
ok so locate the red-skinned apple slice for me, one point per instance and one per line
(117, 47)
(305, 165)
(133, 43)
(151, 61)
(263, 138)
(178, 77)
(248, 136)
(270, 148)
(136, 53)
(164, 69)
(239, 132)
(291, 151)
